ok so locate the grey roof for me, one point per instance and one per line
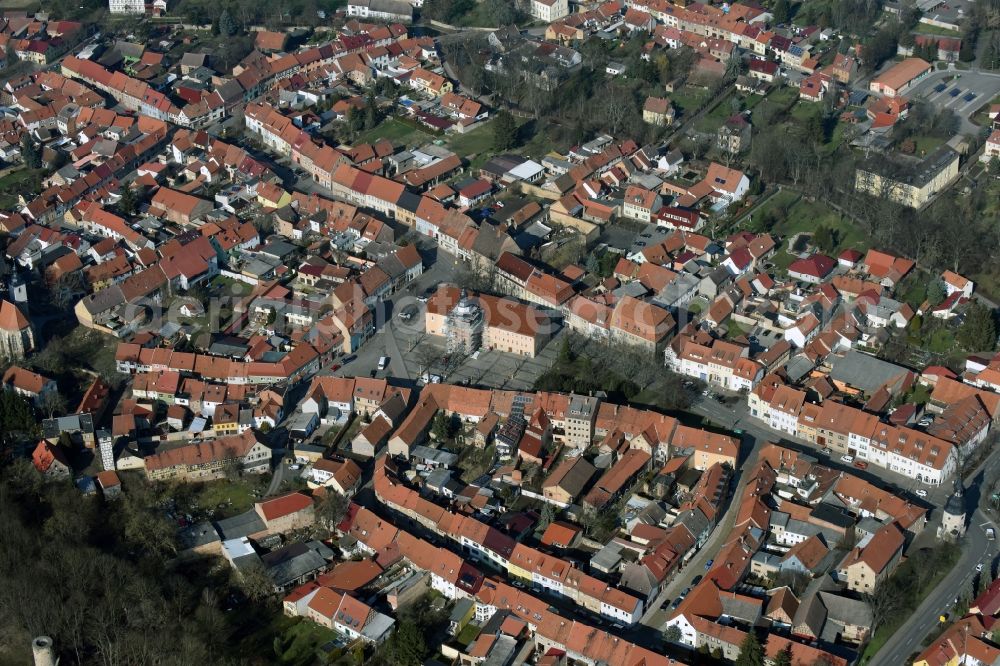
(279, 248)
(833, 515)
(638, 578)
(869, 525)
(695, 521)
(438, 478)
(634, 289)
(845, 610)
(72, 423)
(242, 525)
(811, 611)
(502, 652)
(434, 455)
(681, 285)
(607, 558)
(288, 564)
(798, 367)
(198, 534)
(864, 372)
(574, 481)
(737, 608)
(796, 526)
(190, 59)
(377, 626)
(462, 606)
(104, 300)
(955, 505)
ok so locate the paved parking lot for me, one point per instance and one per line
(491, 369)
(952, 90)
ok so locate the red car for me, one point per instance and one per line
(336, 366)
(861, 464)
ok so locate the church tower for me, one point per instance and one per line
(953, 520)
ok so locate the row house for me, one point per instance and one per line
(715, 362)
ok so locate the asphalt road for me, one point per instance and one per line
(737, 417)
(941, 600)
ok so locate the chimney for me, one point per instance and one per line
(43, 652)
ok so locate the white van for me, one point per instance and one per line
(383, 363)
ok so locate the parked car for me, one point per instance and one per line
(921, 493)
(979, 567)
(708, 565)
(861, 464)
(847, 459)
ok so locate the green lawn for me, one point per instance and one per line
(26, 181)
(393, 129)
(782, 259)
(688, 99)
(468, 634)
(227, 498)
(802, 215)
(710, 122)
(477, 146)
(805, 110)
(475, 142)
(919, 395)
(806, 216)
(927, 29)
(940, 341)
(288, 641)
(926, 144)
(733, 329)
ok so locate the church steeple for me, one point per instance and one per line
(953, 519)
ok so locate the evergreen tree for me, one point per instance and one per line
(780, 11)
(936, 292)
(227, 24)
(504, 131)
(547, 515)
(127, 204)
(751, 651)
(30, 152)
(978, 330)
(407, 646)
(784, 658)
